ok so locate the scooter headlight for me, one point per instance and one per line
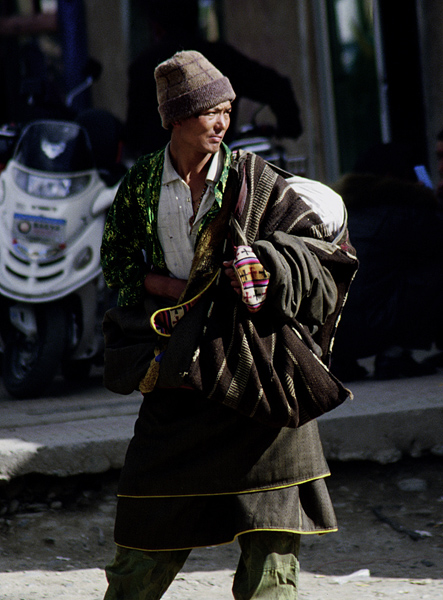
(83, 258)
(50, 188)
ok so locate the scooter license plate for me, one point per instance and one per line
(39, 229)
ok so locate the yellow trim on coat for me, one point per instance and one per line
(266, 489)
(179, 309)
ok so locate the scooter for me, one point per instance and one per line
(53, 205)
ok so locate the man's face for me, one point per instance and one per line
(205, 132)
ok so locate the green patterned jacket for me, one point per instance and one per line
(130, 246)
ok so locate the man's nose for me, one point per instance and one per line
(222, 121)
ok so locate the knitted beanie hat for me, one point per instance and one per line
(187, 84)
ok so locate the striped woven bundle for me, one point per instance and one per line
(252, 276)
(267, 365)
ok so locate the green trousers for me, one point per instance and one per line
(268, 569)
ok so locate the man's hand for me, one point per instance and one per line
(230, 274)
(164, 286)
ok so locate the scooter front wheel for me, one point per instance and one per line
(30, 363)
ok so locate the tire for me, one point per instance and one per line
(30, 364)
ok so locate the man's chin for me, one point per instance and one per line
(215, 144)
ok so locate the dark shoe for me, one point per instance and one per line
(389, 367)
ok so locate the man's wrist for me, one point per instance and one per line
(164, 286)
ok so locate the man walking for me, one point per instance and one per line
(225, 445)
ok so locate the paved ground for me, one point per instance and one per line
(215, 585)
